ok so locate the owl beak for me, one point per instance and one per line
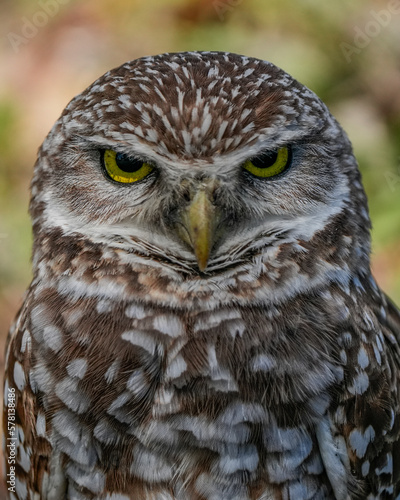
(199, 220)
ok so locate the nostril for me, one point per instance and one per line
(185, 190)
(214, 195)
(186, 195)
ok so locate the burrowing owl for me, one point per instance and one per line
(202, 323)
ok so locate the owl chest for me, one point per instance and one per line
(154, 363)
(213, 397)
(119, 368)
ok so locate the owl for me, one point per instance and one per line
(202, 322)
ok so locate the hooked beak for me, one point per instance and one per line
(198, 223)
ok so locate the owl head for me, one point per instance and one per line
(204, 163)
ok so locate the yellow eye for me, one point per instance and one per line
(123, 168)
(269, 163)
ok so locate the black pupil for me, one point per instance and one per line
(128, 164)
(265, 160)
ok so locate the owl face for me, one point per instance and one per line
(200, 160)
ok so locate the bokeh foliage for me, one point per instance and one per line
(81, 40)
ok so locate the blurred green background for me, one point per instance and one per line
(347, 52)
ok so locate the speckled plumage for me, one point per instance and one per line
(272, 374)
